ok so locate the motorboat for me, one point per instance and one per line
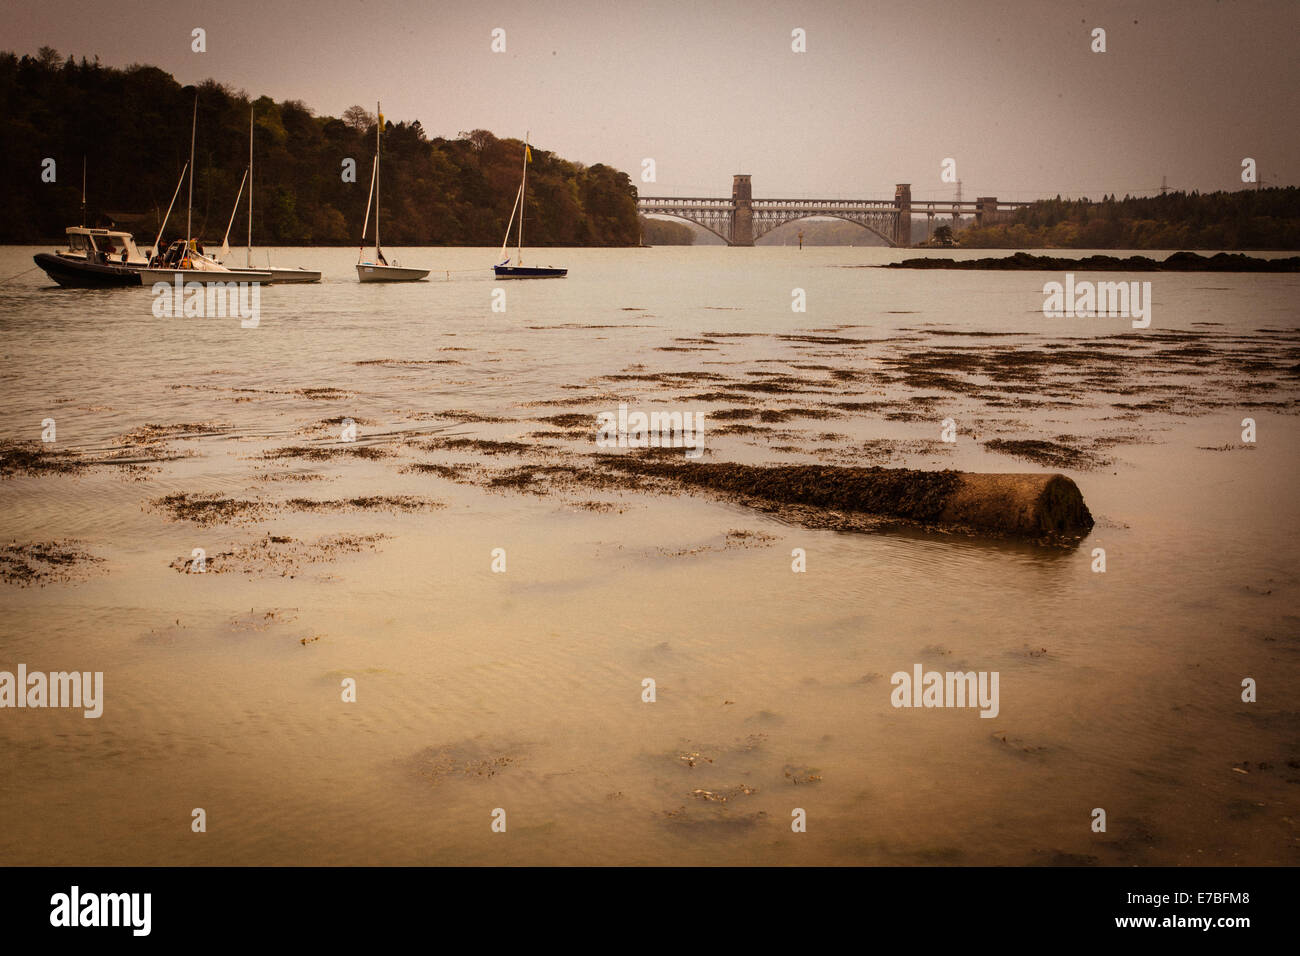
(84, 265)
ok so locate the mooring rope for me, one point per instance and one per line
(17, 274)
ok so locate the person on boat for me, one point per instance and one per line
(124, 255)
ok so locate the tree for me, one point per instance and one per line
(359, 118)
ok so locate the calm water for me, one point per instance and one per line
(522, 690)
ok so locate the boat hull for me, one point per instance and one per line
(281, 276)
(372, 272)
(80, 274)
(203, 276)
(529, 272)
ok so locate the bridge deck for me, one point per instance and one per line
(922, 204)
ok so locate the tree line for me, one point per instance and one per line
(1247, 219)
(132, 126)
(662, 232)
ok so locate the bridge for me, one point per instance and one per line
(740, 220)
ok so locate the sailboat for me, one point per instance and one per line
(504, 270)
(185, 260)
(278, 274)
(378, 268)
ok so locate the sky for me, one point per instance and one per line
(884, 93)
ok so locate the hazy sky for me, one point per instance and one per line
(884, 93)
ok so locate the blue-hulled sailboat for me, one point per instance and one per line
(504, 270)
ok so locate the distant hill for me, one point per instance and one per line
(133, 127)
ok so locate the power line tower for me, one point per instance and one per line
(956, 209)
(1164, 185)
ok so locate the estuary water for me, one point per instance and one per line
(496, 610)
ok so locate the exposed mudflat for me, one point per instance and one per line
(206, 509)
(279, 554)
(44, 562)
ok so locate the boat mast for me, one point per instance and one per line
(379, 125)
(83, 190)
(523, 183)
(249, 260)
(189, 213)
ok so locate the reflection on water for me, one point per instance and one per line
(523, 690)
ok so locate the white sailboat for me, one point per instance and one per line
(378, 269)
(504, 270)
(186, 260)
(278, 273)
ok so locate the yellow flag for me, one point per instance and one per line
(528, 153)
(381, 120)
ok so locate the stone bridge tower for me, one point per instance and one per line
(986, 210)
(742, 213)
(903, 225)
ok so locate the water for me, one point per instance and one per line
(523, 690)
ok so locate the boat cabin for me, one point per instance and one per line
(84, 243)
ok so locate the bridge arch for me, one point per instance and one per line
(771, 225)
(694, 222)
